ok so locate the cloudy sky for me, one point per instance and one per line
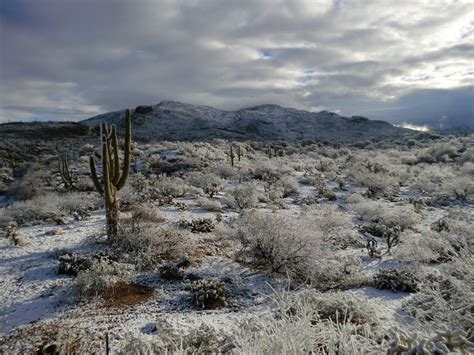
(401, 61)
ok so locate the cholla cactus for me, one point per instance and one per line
(208, 293)
(444, 342)
(113, 179)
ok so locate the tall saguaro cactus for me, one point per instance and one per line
(113, 178)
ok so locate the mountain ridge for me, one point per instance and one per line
(174, 120)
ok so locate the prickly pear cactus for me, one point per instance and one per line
(208, 293)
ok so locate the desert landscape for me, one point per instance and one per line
(264, 177)
(358, 246)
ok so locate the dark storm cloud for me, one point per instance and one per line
(398, 61)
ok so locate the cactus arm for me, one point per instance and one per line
(94, 176)
(115, 159)
(127, 150)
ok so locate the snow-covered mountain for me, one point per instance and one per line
(171, 120)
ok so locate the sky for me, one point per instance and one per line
(400, 61)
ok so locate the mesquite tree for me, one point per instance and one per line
(113, 178)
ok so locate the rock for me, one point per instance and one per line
(143, 109)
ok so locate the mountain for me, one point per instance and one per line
(171, 120)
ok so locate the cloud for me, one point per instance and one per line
(422, 128)
(397, 61)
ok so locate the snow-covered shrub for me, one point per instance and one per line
(461, 186)
(247, 194)
(226, 172)
(203, 339)
(210, 183)
(447, 299)
(167, 186)
(426, 247)
(287, 185)
(95, 280)
(378, 212)
(334, 225)
(270, 172)
(36, 182)
(292, 246)
(467, 156)
(446, 341)
(296, 329)
(396, 281)
(341, 306)
(146, 213)
(148, 243)
(440, 152)
(377, 184)
(40, 208)
(209, 204)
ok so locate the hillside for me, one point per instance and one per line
(171, 120)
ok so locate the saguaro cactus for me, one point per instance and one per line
(232, 156)
(66, 173)
(239, 153)
(113, 178)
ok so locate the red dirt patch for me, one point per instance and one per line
(122, 294)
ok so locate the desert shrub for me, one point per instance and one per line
(377, 184)
(209, 204)
(426, 247)
(86, 149)
(292, 246)
(148, 243)
(226, 172)
(167, 186)
(287, 185)
(200, 225)
(295, 329)
(210, 183)
(461, 186)
(203, 339)
(95, 280)
(396, 281)
(430, 179)
(440, 152)
(334, 225)
(446, 298)
(228, 201)
(372, 211)
(247, 194)
(36, 182)
(49, 206)
(269, 172)
(146, 213)
(40, 208)
(467, 156)
(341, 306)
(445, 341)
